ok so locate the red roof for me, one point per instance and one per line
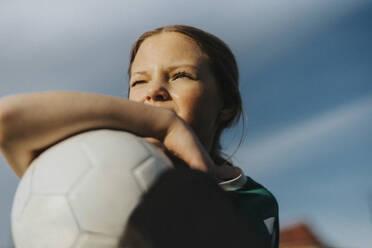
(299, 235)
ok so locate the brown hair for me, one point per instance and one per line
(224, 67)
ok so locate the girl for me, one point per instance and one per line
(183, 92)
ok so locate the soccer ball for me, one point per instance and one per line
(81, 191)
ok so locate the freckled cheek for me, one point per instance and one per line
(136, 96)
(190, 103)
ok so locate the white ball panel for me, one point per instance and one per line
(88, 240)
(114, 147)
(148, 171)
(60, 167)
(22, 194)
(46, 222)
(103, 172)
(157, 152)
(104, 194)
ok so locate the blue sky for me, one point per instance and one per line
(305, 81)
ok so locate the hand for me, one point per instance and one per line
(156, 142)
(182, 146)
(177, 162)
(185, 149)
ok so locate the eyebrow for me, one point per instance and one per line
(169, 69)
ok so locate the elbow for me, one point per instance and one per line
(6, 114)
(2, 127)
(14, 160)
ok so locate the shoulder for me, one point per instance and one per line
(257, 207)
(253, 195)
(246, 189)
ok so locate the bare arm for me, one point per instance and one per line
(30, 123)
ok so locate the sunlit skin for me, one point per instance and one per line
(171, 71)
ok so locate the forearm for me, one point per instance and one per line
(34, 121)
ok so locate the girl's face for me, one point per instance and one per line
(171, 71)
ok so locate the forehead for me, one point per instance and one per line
(168, 49)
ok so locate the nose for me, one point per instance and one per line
(157, 92)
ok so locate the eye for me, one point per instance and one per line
(182, 74)
(137, 82)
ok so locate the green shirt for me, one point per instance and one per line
(256, 206)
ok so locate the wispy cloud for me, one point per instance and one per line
(267, 152)
(63, 44)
